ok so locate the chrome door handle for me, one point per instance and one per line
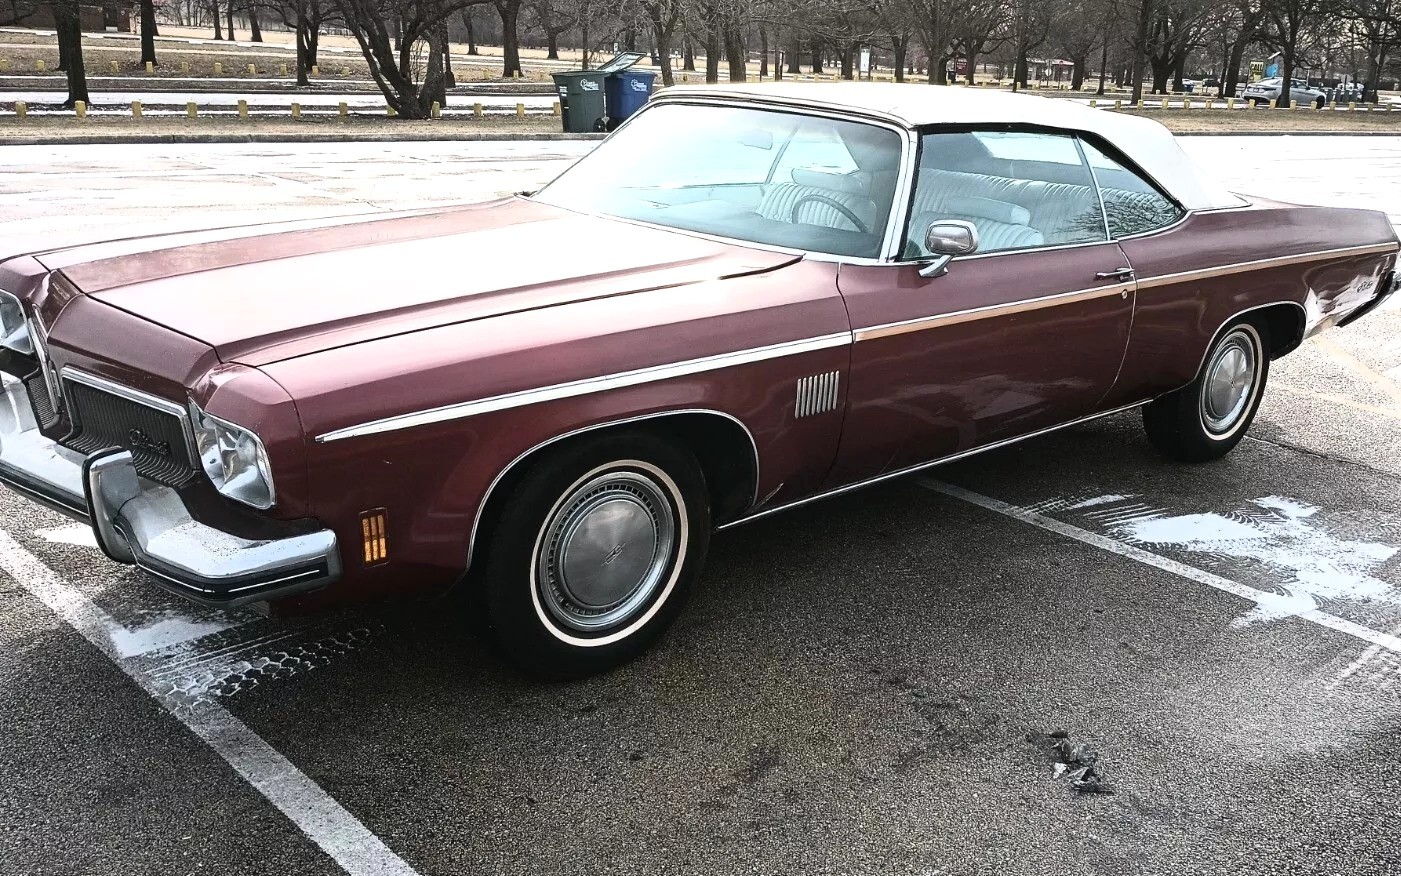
(1120, 274)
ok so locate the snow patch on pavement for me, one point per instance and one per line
(170, 629)
(74, 533)
(1321, 567)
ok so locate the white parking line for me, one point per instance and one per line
(1259, 597)
(327, 823)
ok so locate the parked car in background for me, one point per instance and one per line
(1300, 92)
(746, 299)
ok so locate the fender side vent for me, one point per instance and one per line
(818, 394)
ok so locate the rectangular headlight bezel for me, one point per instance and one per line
(234, 459)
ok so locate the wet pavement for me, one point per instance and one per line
(865, 685)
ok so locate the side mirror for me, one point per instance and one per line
(945, 239)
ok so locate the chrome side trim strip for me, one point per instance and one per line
(923, 465)
(501, 475)
(957, 316)
(1262, 264)
(587, 386)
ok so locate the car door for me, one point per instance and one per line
(1027, 333)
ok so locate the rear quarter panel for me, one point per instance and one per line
(1198, 276)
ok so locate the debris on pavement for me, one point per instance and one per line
(1077, 763)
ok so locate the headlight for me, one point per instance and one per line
(234, 459)
(14, 332)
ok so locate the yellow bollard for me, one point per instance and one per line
(136, 109)
(391, 111)
(192, 110)
(516, 75)
(345, 71)
(115, 67)
(1165, 103)
(39, 65)
(252, 69)
(343, 109)
(476, 110)
(1230, 103)
(556, 108)
(1093, 103)
(282, 69)
(315, 70)
(1140, 103)
(4, 65)
(1118, 105)
(1296, 105)
(1210, 103)
(243, 109)
(184, 66)
(435, 111)
(1274, 104)
(21, 108)
(218, 68)
(80, 108)
(520, 110)
(1352, 106)
(296, 110)
(1186, 103)
(150, 67)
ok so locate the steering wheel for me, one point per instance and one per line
(835, 205)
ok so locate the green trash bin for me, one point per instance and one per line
(581, 100)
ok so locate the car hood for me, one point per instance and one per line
(263, 294)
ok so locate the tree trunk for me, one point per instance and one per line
(816, 57)
(449, 77)
(254, 26)
(1179, 69)
(736, 54)
(1230, 77)
(969, 74)
(509, 10)
(1077, 73)
(218, 27)
(1286, 71)
(662, 31)
(900, 48)
(551, 45)
(688, 55)
(763, 53)
(303, 45)
(848, 61)
(1140, 47)
(231, 29)
(69, 33)
(712, 53)
(471, 32)
(434, 87)
(1103, 60)
(794, 55)
(1021, 74)
(148, 32)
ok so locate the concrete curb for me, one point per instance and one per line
(311, 137)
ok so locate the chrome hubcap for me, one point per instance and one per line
(1230, 383)
(605, 551)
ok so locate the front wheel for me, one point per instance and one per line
(594, 553)
(1208, 417)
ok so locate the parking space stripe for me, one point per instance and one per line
(1260, 597)
(323, 820)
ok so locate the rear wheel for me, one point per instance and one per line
(1318, 104)
(594, 553)
(1207, 418)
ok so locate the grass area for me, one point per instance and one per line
(19, 53)
(106, 129)
(1219, 121)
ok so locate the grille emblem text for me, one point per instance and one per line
(141, 441)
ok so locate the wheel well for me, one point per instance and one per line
(721, 444)
(1283, 324)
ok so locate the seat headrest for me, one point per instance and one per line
(987, 208)
(854, 183)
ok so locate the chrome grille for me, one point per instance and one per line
(44, 413)
(153, 431)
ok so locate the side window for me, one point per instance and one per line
(1020, 189)
(1132, 204)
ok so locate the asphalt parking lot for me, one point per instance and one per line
(860, 686)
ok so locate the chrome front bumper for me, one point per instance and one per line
(139, 522)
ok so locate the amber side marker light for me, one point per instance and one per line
(373, 529)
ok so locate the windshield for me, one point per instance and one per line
(770, 177)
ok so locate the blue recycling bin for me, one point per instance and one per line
(627, 91)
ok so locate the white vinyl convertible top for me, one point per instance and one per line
(1146, 142)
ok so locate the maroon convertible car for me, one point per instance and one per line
(745, 299)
